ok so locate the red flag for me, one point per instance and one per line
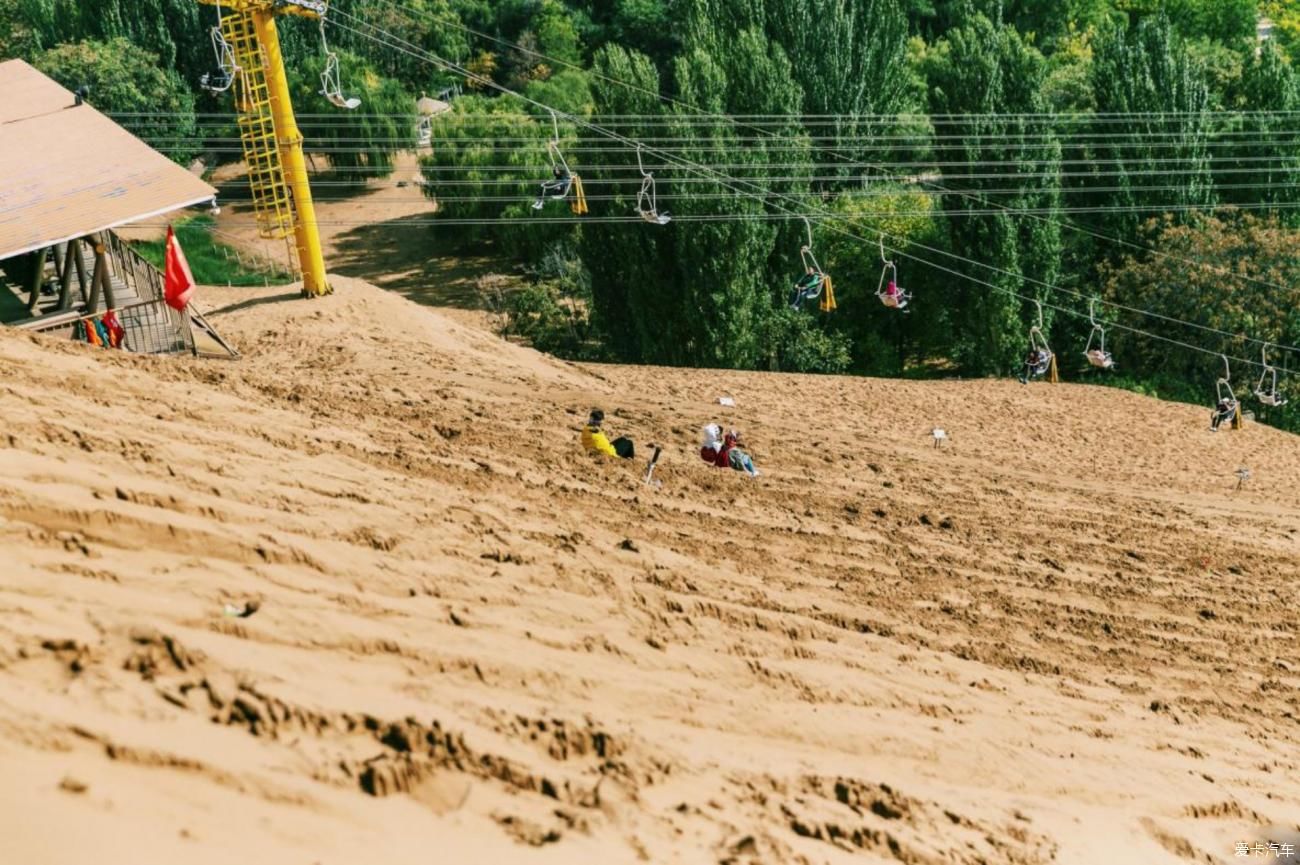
(178, 285)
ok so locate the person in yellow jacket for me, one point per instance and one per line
(595, 440)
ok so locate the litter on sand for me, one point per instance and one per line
(242, 611)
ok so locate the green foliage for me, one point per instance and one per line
(1222, 65)
(1041, 22)
(428, 25)
(1244, 246)
(488, 160)
(1145, 71)
(1271, 173)
(124, 79)
(568, 91)
(989, 70)
(211, 261)
(882, 341)
(1067, 87)
(645, 25)
(364, 141)
(557, 35)
(17, 37)
(1285, 15)
(1228, 22)
(697, 293)
(553, 311)
(795, 343)
(169, 29)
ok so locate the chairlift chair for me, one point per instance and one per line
(647, 203)
(1270, 395)
(1223, 386)
(1043, 360)
(330, 86)
(1098, 356)
(815, 283)
(563, 179)
(222, 76)
(889, 292)
(1224, 396)
(424, 131)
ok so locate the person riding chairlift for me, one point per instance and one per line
(726, 451)
(217, 80)
(594, 439)
(1226, 409)
(556, 188)
(894, 296)
(808, 286)
(1099, 358)
(1037, 363)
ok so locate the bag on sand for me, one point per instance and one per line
(624, 448)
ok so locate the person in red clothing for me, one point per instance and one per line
(725, 451)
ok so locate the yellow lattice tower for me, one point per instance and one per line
(272, 142)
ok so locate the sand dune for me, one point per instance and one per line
(1063, 637)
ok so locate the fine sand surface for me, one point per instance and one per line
(1062, 637)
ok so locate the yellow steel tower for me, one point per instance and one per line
(272, 142)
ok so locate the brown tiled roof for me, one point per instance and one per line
(69, 171)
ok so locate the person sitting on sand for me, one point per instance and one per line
(1226, 409)
(595, 440)
(726, 451)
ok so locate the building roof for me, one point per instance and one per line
(69, 171)
(428, 106)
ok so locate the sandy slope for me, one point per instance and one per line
(1062, 638)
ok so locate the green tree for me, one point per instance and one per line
(644, 25)
(17, 38)
(557, 35)
(1162, 159)
(361, 142)
(1246, 246)
(488, 160)
(169, 29)
(700, 293)
(1269, 93)
(883, 342)
(1040, 22)
(1228, 22)
(635, 302)
(1285, 16)
(847, 56)
(988, 71)
(126, 79)
(430, 25)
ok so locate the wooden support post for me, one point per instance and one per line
(97, 278)
(102, 281)
(110, 302)
(65, 278)
(58, 263)
(37, 278)
(80, 261)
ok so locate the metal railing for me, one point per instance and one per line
(137, 296)
(154, 327)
